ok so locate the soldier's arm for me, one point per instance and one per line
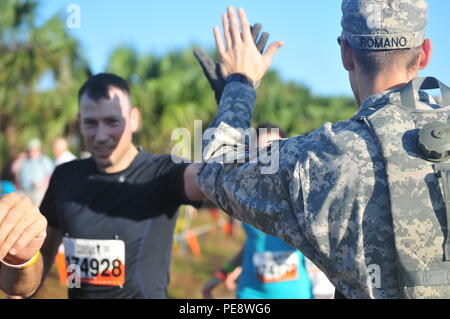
(257, 192)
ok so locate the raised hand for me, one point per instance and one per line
(212, 69)
(239, 54)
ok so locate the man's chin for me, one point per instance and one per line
(102, 162)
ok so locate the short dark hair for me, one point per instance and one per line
(270, 126)
(373, 62)
(97, 86)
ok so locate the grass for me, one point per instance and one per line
(188, 272)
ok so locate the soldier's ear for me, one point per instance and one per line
(348, 60)
(425, 56)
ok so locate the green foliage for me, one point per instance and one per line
(28, 52)
(295, 109)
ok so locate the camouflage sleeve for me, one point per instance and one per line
(258, 192)
(236, 105)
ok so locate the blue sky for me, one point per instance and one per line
(309, 29)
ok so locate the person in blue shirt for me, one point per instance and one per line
(266, 267)
(6, 187)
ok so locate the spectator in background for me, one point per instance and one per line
(61, 152)
(84, 155)
(6, 180)
(266, 267)
(6, 187)
(35, 172)
(15, 167)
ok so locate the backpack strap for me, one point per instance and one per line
(443, 173)
(407, 93)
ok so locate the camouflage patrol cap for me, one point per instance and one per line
(384, 24)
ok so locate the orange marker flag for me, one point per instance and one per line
(61, 265)
(191, 239)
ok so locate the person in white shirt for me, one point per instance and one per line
(61, 151)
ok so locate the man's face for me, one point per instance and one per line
(59, 146)
(107, 127)
(34, 153)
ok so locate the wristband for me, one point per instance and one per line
(220, 275)
(29, 263)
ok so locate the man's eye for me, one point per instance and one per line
(113, 122)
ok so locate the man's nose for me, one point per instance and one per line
(101, 133)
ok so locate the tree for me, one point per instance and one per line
(28, 52)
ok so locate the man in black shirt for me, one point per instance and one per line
(115, 212)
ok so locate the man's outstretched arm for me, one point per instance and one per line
(191, 189)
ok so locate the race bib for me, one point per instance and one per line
(97, 262)
(276, 266)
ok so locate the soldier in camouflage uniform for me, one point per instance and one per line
(357, 197)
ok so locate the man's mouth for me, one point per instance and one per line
(103, 151)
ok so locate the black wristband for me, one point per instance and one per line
(237, 77)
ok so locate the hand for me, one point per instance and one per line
(232, 277)
(212, 69)
(240, 54)
(22, 229)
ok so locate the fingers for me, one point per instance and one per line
(241, 54)
(14, 235)
(245, 25)
(203, 57)
(21, 224)
(13, 212)
(272, 49)
(6, 202)
(234, 27)
(256, 29)
(206, 62)
(219, 44)
(34, 235)
(232, 33)
(226, 32)
(262, 42)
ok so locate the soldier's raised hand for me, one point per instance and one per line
(239, 54)
(212, 69)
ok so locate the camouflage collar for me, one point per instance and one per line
(392, 96)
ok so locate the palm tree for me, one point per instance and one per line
(28, 52)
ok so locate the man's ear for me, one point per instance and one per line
(347, 56)
(135, 118)
(425, 56)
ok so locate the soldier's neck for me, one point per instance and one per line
(382, 82)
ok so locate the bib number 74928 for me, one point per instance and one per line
(99, 262)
